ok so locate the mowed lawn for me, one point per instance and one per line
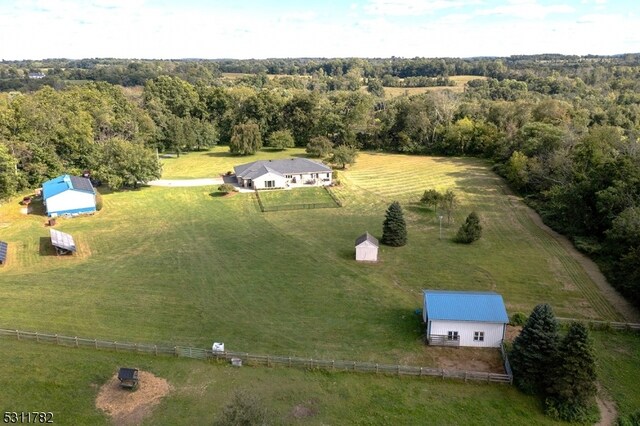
(66, 381)
(297, 196)
(181, 266)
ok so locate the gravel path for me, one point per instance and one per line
(186, 182)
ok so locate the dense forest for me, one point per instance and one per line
(563, 130)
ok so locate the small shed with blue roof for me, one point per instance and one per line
(464, 318)
(68, 195)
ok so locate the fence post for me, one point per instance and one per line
(95, 342)
(443, 374)
(57, 341)
(37, 339)
(76, 341)
(398, 366)
(155, 349)
(333, 365)
(268, 361)
(289, 361)
(115, 345)
(465, 376)
(354, 366)
(420, 371)
(175, 350)
(377, 368)
(18, 334)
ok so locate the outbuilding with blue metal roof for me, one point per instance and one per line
(464, 318)
(68, 195)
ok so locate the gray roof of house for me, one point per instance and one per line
(280, 167)
(367, 237)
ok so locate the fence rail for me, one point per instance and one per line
(597, 324)
(258, 360)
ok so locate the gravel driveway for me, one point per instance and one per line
(186, 182)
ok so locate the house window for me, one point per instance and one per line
(478, 336)
(328, 174)
(288, 176)
(452, 335)
(269, 183)
(314, 175)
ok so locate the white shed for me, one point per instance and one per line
(464, 318)
(366, 248)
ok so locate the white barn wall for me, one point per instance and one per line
(70, 200)
(493, 332)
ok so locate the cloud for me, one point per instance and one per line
(413, 7)
(526, 9)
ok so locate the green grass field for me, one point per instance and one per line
(66, 381)
(295, 197)
(178, 265)
(181, 266)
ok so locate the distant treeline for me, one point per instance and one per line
(563, 131)
(14, 75)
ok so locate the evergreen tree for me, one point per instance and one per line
(573, 387)
(394, 228)
(470, 231)
(534, 350)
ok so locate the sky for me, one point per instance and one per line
(242, 29)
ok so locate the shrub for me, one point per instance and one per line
(518, 318)
(98, 201)
(470, 231)
(226, 188)
(243, 409)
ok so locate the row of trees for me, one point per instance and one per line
(92, 127)
(563, 132)
(560, 370)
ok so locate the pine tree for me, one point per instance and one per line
(534, 350)
(573, 387)
(394, 228)
(470, 231)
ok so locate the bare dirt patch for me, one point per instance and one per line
(608, 410)
(304, 411)
(468, 359)
(512, 332)
(126, 407)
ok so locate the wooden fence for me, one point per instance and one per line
(259, 360)
(603, 325)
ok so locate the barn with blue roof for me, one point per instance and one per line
(68, 195)
(464, 318)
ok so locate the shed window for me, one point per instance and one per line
(478, 336)
(452, 335)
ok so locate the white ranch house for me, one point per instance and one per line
(285, 173)
(464, 318)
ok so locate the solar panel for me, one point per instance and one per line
(62, 241)
(3, 251)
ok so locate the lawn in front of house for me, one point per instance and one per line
(180, 266)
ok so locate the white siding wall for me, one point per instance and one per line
(492, 332)
(367, 252)
(258, 182)
(69, 200)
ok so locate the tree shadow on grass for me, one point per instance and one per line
(46, 248)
